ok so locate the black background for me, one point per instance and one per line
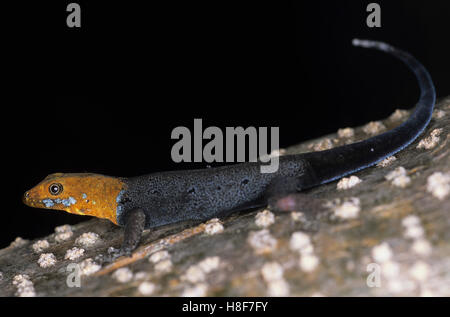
(104, 98)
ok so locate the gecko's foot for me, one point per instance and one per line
(114, 254)
(296, 202)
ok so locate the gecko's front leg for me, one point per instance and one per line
(134, 226)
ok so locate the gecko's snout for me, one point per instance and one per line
(28, 200)
(26, 197)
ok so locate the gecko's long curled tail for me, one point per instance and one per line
(332, 164)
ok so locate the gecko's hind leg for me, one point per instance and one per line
(285, 194)
(282, 186)
(297, 202)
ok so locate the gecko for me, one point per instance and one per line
(162, 198)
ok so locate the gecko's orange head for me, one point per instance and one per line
(82, 194)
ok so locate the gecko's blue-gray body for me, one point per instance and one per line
(168, 197)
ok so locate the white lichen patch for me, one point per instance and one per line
(63, 236)
(413, 227)
(438, 184)
(438, 114)
(25, 287)
(382, 253)
(20, 278)
(395, 285)
(349, 209)
(298, 216)
(163, 266)
(159, 256)
(421, 247)
(63, 228)
(18, 242)
(414, 232)
(40, 246)
(390, 269)
(141, 275)
(74, 253)
(262, 241)
(272, 274)
(46, 260)
(63, 233)
(411, 221)
(272, 271)
(278, 288)
(399, 171)
(308, 262)
(309, 249)
(198, 290)
(400, 285)
(374, 127)
(322, 145)
(162, 261)
(387, 161)
(401, 181)
(194, 274)
(399, 177)
(348, 182)
(146, 288)
(398, 115)
(209, 264)
(264, 218)
(87, 239)
(213, 226)
(197, 273)
(123, 275)
(431, 141)
(420, 271)
(88, 267)
(300, 242)
(346, 133)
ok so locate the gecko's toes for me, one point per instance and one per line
(125, 252)
(108, 258)
(114, 254)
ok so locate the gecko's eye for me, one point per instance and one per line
(55, 188)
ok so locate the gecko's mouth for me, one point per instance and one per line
(47, 203)
(31, 202)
